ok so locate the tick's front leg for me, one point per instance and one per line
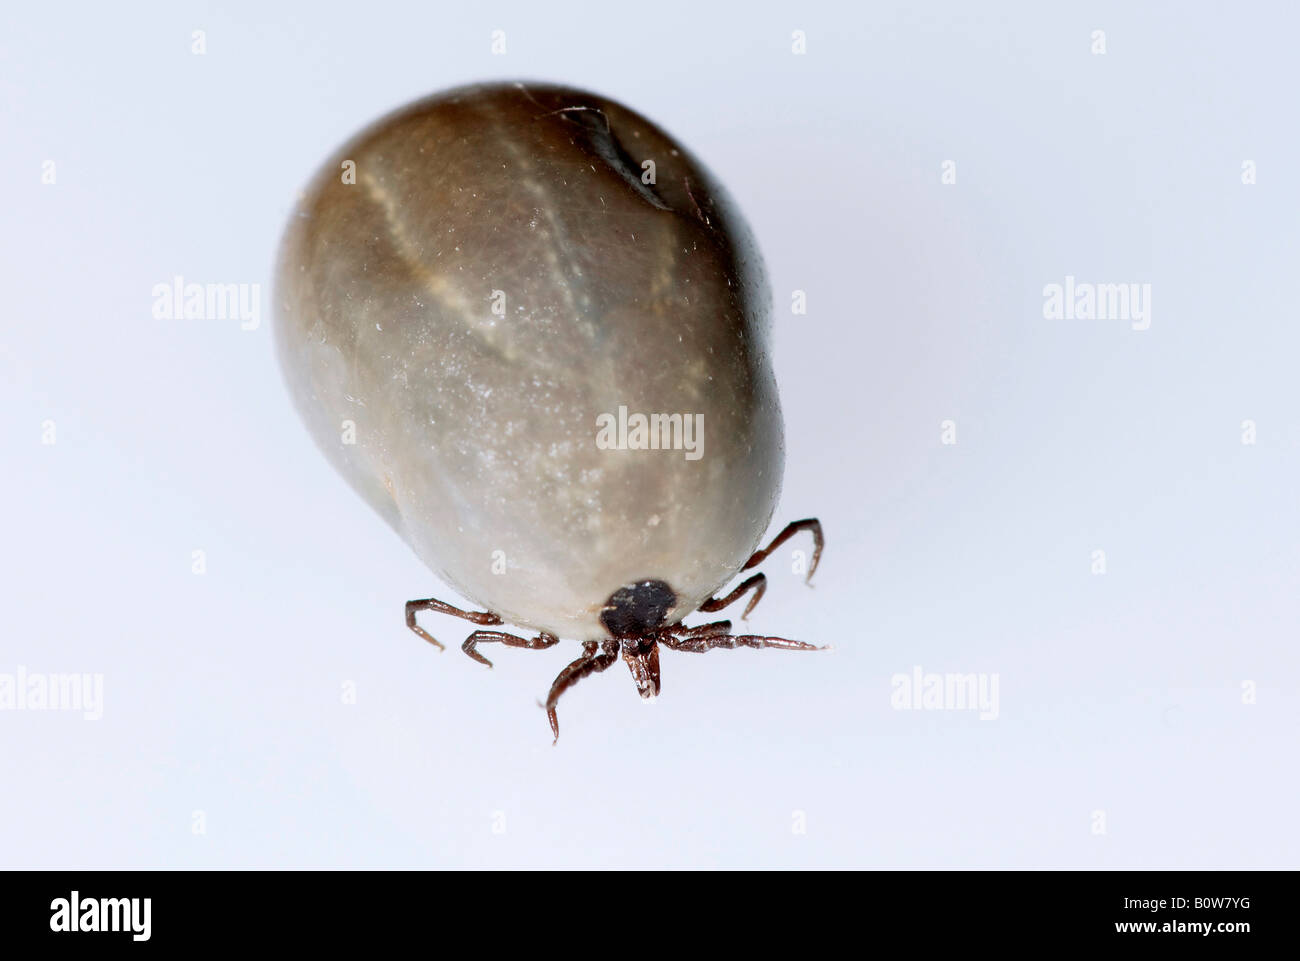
(432, 604)
(699, 644)
(794, 527)
(758, 583)
(589, 663)
(539, 643)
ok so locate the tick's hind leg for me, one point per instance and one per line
(539, 643)
(589, 663)
(794, 527)
(432, 604)
(758, 583)
(698, 640)
(701, 630)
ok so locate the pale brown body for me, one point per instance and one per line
(475, 434)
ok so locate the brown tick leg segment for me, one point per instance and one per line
(758, 583)
(698, 645)
(589, 663)
(702, 630)
(432, 604)
(794, 527)
(538, 643)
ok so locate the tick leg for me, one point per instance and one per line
(758, 583)
(538, 643)
(794, 527)
(432, 604)
(589, 663)
(699, 645)
(702, 630)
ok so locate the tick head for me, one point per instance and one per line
(633, 614)
(635, 610)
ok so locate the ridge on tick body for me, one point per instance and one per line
(471, 295)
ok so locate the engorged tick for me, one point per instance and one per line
(471, 296)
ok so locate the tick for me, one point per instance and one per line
(531, 330)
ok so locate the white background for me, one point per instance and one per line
(1120, 693)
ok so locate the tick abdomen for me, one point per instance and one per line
(500, 276)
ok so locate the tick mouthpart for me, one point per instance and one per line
(635, 610)
(642, 658)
